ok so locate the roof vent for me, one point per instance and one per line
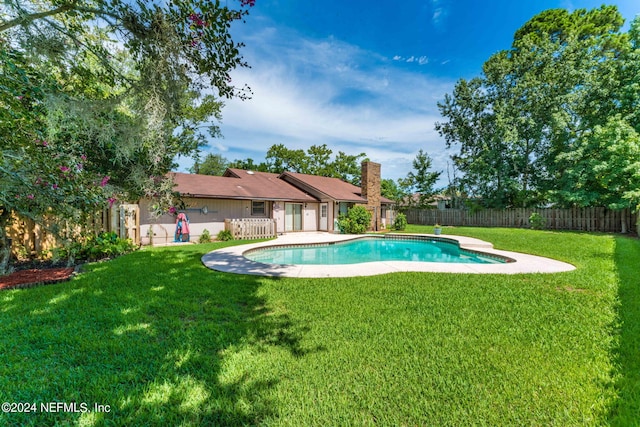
(250, 172)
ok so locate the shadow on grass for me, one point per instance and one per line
(626, 411)
(154, 335)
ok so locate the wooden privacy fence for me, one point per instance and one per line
(251, 228)
(583, 219)
(29, 238)
(127, 223)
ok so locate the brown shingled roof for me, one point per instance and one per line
(239, 184)
(334, 188)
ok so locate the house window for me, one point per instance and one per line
(258, 208)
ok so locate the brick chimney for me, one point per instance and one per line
(370, 185)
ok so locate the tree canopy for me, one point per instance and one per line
(316, 160)
(528, 129)
(418, 188)
(212, 164)
(99, 96)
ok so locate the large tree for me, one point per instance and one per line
(279, 159)
(187, 38)
(603, 168)
(100, 96)
(390, 189)
(212, 164)
(534, 102)
(419, 184)
(483, 156)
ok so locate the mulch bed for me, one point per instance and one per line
(35, 276)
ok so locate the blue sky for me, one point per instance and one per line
(363, 76)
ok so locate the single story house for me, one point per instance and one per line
(293, 201)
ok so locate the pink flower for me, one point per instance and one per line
(111, 201)
(104, 181)
(64, 169)
(172, 210)
(197, 20)
(30, 196)
(45, 144)
(55, 186)
(84, 157)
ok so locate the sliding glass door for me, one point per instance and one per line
(292, 217)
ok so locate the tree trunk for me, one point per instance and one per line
(5, 247)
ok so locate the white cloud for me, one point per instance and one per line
(421, 60)
(308, 92)
(440, 13)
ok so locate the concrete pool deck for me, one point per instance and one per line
(232, 260)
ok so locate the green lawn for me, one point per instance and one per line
(164, 341)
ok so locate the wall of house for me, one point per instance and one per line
(334, 213)
(310, 215)
(163, 228)
(278, 215)
(218, 209)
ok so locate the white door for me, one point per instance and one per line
(324, 217)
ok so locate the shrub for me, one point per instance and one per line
(400, 223)
(224, 235)
(205, 237)
(104, 245)
(537, 221)
(356, 221)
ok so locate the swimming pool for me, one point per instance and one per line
(372, 249)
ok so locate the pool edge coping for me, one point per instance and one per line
(232, 260)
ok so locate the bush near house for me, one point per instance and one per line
(104, 245)
(356, 221)
(205, 237)
(224, 235)
(400, 223)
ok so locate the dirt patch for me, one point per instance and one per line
(36, 276)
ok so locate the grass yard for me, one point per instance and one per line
(163, 341)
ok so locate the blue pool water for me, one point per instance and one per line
(370, 249)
